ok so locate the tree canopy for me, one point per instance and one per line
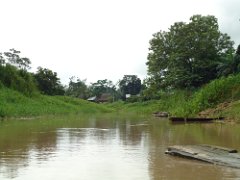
(130, 84)
(188, 54)
(102, 86)
(14, 74)
(77, 88)
(13, 57)
(230, 64)
(48, 82)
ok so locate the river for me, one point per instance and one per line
(109, 147)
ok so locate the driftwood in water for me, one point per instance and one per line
(182, 119)
(211, 154)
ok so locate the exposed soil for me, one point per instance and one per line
(219, 110)
(211, 112)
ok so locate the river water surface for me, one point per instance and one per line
(109, 148)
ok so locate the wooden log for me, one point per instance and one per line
(207, 153)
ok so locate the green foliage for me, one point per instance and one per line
(229, 64)
(134, 98)
(13, 58)
(2, 60)
(217, 91)
(130, 84)
(13, 73)
(16, 79)
(48, 82)
(77, 88)
(103, 87)
(188, 103)
(187, 55)
(15, 104)
(175, 103)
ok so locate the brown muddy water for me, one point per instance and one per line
(109, 148)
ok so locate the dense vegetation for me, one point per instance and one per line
(191, 67)
(190, 103)
(15, 104)
(188, 54)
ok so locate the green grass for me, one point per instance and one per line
(175, 103)
(217, 91)
(15, 104)
(189, 104)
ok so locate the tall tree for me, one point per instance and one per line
(77, 88)
(13, 57)
(130, 84)
(188, 54)
(102, 86)
(48, 82)
(14, 74)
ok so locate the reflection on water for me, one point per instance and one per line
(109, 148)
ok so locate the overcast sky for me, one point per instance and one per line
(100, 39)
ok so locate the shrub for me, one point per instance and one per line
(17, 79)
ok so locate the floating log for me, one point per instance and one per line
(207, 153)
(198, 119)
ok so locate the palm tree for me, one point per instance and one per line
(230, 64)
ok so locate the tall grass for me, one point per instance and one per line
(217, 91)
(15, 104)
(174, 103)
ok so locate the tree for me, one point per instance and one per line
(130, 84)
(77, 88)
(2, 60)
(188, 54)
(237, 60)
(14, 74)
(17, 79)
(14, 59)
(48, 82)
(102, 86)
(230, 64)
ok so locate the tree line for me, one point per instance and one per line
(187, 56)
(14, 74)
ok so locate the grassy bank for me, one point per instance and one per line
(186, 103)
(15, 104)
(173, 103)
(177, 103)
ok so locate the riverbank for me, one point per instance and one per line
(219, 98)
(15, 104)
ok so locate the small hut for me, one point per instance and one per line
(105, 97)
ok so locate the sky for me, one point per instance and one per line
(100, 39)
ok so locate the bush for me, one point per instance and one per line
(16, 79)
